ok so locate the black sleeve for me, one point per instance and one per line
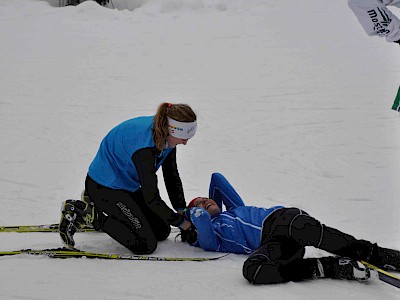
(144, 160)
(173, 182)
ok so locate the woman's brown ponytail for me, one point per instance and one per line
(179, 112)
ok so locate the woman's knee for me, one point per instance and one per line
(143, 247)
(249, 270)
(260, 272)
(306, 230)
(163, 233)
(139, 242)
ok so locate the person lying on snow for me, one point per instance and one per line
(276, 238)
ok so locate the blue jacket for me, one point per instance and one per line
(113, 166)
(236, 230)
(128, 160)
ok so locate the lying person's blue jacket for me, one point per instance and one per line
(236, 230)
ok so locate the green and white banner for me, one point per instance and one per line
(396, 104)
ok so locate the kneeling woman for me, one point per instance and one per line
(121, 194)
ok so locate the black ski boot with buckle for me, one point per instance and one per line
(341, 268)
(76, 214)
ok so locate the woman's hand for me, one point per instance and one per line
(185, 225)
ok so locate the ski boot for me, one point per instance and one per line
(341, 268)
(384, 258)
(76, 214)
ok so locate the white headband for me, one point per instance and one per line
(181, 130)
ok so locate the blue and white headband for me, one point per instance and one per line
(181, 130)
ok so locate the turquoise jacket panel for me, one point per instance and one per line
(113, 166)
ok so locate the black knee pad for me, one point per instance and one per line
(262, 266)
(250, 268)
(306, 230)
(261, 272)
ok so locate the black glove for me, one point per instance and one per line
(189, 235)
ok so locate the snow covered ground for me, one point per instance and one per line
(293, 100)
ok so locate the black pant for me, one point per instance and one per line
(124, 216)
(286, 233)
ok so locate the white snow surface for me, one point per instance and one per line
(293, 102)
